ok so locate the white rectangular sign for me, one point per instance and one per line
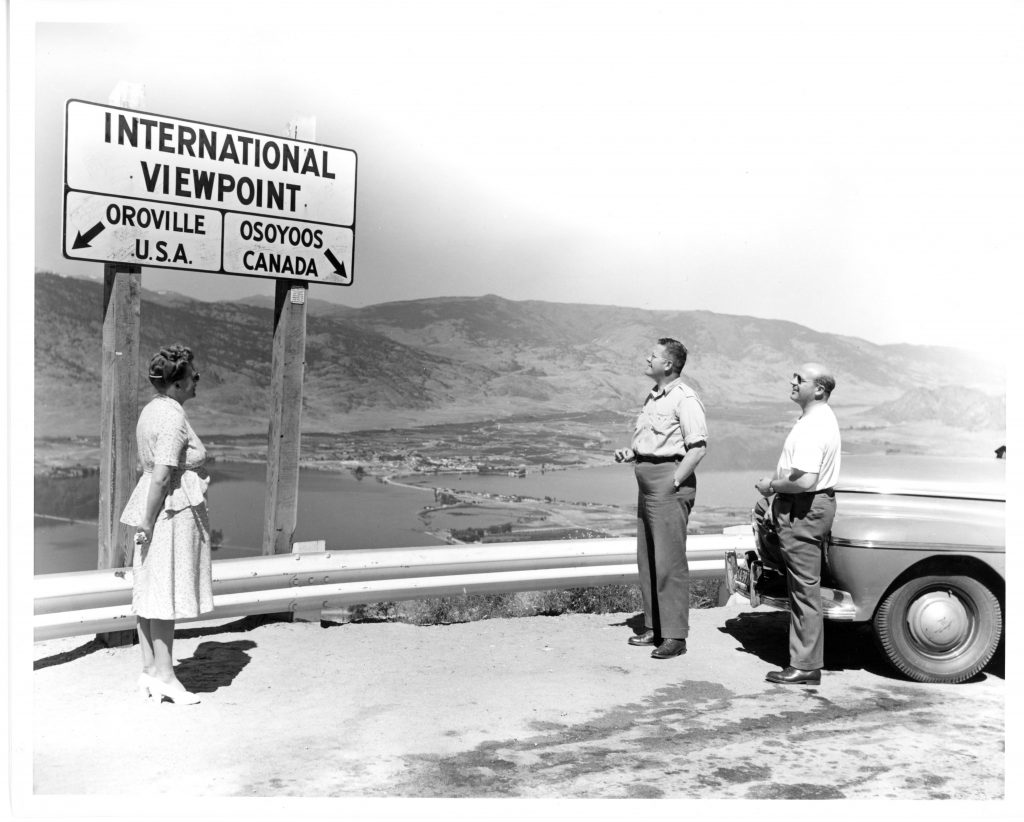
(263, 247)
(152, 190)
(122, 230)
(126, 153)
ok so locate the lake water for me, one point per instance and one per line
(351, 513)
(605, 484)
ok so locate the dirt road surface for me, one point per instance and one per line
(533, 707)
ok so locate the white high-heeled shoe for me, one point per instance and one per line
(158, 690)
(143, 685)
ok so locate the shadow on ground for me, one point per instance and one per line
(848, 646)
(680, 732)
(97, 643)
(242, 625)
(214, 665)
(86, 648)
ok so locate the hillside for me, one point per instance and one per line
(961, 407)
(403, 364)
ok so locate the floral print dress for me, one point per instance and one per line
(173, 576)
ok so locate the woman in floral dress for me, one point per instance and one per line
(171, 563)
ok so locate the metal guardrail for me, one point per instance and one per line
(89, 602)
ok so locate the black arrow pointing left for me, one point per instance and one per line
(83, 240)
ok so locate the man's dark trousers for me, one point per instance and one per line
(662, 515)
(803, 522)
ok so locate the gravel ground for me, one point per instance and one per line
(541, 707)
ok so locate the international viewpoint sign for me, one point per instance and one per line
(151, 190)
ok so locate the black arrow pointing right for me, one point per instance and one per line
(83, 240)
(339, 267)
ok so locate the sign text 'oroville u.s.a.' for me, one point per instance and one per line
(152, 190)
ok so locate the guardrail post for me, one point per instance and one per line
(317, 546)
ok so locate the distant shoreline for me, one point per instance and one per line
(66, 520)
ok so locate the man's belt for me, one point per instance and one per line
(828, 492)
(656, 460)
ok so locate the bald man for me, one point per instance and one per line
(803, 510)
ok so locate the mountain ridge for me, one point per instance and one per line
(416, 362)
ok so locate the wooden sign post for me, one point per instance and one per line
(119, 406)
(280, 512)
(287, 366)
(122, 286)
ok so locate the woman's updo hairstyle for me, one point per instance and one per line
(169, 365)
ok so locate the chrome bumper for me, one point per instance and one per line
(741, 576)
(739, 579)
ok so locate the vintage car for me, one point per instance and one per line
(917, 550)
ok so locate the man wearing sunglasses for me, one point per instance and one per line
(669, 441)
(802, 512)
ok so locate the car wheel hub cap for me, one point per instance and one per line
(938, 621)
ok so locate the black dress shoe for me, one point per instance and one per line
(669, 648)
(794, 676)
(646, 638)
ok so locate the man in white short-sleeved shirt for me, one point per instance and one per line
(812, 447)
(802, 511)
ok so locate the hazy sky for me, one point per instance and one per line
(854, 167)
